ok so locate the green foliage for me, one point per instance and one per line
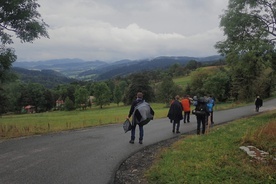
(117, 96)
(81, 97)
(139, 83)
(102, 94)
(218, 85)
(68, 104)
(22, 19)
(250, 44)
(167, 90)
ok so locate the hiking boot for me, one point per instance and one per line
(173, 131)
(177, 132)
(131, 141)
(140, 142)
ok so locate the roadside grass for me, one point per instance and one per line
(216, 157)
(12, 126)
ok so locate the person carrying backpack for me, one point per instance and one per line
(201, 111)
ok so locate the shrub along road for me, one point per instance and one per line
(90, 155)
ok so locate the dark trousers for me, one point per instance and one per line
(186, 116)
(201, 121)
(141, 132)
(211, 116)
(177, 124)
(257, 108)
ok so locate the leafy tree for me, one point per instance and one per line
(81, 96)
(167, 90)
(198, 79)
(68, 104)
(218, 85)
(33, 94)
(50, 99)
(22, 19)
(249, 26)
(192, 65)
(102, 94)
(138, 83)
(66, 90)
(117, 95)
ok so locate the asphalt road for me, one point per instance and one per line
(89, 156)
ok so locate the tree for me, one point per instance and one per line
(138, 83)
(68, 104)
(249, 26)
(22, 19)
(102, 94)
(198, 79)
(117, 95)
(167, 90)
(218, 85)
(81, 97)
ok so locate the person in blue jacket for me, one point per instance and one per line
(210, 105)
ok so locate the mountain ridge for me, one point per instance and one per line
(100, 70)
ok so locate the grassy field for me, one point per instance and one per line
(40, 123)
(12, 126)
(216, 157)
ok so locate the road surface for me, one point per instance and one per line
(89, 156)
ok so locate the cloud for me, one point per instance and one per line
(110, 31)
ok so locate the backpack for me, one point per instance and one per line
(210, 107)
(200, 110)
(143, 113)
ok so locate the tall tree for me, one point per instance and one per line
(102, 94)
(117, 95)
(167, 90)
(139, 83)
(22, 19)
(249, 27)
(81, 97)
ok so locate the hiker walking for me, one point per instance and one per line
(201, 111)
(258, 103)
(210, 105)
(175, 114)
(137, 118)
(186, 105)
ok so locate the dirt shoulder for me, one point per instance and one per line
(132, 170)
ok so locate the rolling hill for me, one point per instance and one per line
(99, 70)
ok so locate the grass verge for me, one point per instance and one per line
(216, 157)
(12, 126)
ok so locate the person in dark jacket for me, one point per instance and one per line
(139, 99)
(258, 103)
(201, 111)
(175, 114)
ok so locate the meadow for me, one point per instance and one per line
(19, 125)
(217, 158)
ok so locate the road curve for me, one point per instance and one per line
(89, 156)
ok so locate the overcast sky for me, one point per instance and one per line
(111, 30)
